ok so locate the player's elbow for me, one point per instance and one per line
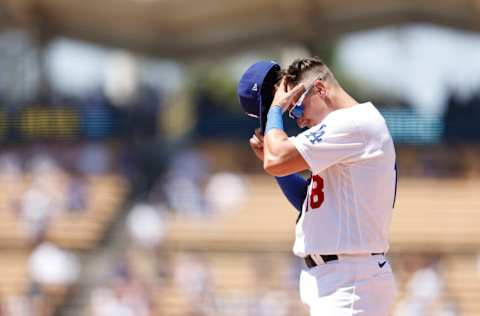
(278, 160)
(274, 167)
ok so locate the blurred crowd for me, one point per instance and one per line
(424, 290)
(150, 281)
(46, 180)
(51, 271)
(147, 283)
(40, 184)
(193, 186)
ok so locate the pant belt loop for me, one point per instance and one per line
(318, 259)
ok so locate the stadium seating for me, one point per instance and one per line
(266, 218)
(88, 227)
(430, 215)
(80, 230)
(237, 282)
(13, 272)
(463, 282)
(436, 215)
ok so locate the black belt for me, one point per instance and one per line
(326, 258)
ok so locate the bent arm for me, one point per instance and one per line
(281, 157)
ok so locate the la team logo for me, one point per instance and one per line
(315, 136)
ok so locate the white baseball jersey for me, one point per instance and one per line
(350, 197)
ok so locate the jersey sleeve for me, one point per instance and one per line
(327, 144)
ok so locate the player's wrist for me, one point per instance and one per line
(281, 105)
(274, 118)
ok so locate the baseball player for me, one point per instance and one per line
(345, 207)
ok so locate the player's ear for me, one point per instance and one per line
(321, 88)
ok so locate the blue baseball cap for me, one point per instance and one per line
(255, 89)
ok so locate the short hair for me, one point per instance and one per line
(298, 69)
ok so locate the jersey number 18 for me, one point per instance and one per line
(316, 196)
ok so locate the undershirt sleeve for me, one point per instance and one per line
(294, 187)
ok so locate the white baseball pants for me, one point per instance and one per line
(355, 285)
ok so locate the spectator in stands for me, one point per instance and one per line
(37, 207)
(188, 171)
(425, 291)
(16, 306)
(267, 297)
(126, 296)
(51, 265)
(145, 225)
(77, 193)
(33, 303)
(192, 276)
(104, 303)
(42, 163)
(11, 175)
(43, 197)
(272, 302)
(10, 165)
(225, 192)
(94, 158)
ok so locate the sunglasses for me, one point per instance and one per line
(297, 111)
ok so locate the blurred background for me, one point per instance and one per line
(127, 183)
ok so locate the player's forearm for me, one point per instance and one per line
(294, 187)
(275, 136)
(281, 158)
(276, 145)
(277, 152)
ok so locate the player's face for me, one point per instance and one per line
(314, 109)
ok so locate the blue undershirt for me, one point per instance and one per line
(294, 187)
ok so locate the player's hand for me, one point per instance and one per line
(256, 143)
(285, 98)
